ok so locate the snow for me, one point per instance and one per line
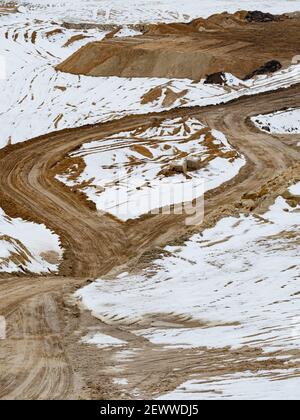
(235, 286)
(23, 244)
(125, 31)
(142, 11)
(2, 68)
(102, 340)
(37, 100)
(121, 381)
(281, 122)
(26, 110)
(127, 182)
(247, 386)
(238, 280)
(32, 100)
(232, 81)
(295, 189)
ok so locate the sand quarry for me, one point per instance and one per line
(224, 42)
(106, 125)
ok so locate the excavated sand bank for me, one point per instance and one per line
(223, 42)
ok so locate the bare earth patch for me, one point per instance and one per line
(228, 43)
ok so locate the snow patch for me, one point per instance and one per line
(280, 385)
(281, 122)
(125, 174)
(102, 340)
(143, 11)
(26, 246)
(238, 280)
(33, 88)
(295, 189)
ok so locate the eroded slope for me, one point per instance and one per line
(221, 43)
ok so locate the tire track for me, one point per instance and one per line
(35, 359)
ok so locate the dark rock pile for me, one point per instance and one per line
(269, 67)
(257, 16)
(216, 79)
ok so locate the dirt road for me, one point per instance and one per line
(41, 357)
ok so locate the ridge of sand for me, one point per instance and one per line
(220, 43)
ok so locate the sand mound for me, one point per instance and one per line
(228, 43)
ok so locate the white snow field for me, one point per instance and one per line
(280, 385)
(238, 280)
(27, 247)
(143, 11)
(281, 122)
(124, 174)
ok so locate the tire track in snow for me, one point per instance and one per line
(96, 243)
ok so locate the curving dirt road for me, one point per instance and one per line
(41, 357)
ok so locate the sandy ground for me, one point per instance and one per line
(42, 356)
(220, 43)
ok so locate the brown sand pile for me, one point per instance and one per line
(224, 42)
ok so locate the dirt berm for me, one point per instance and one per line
(225, 42)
